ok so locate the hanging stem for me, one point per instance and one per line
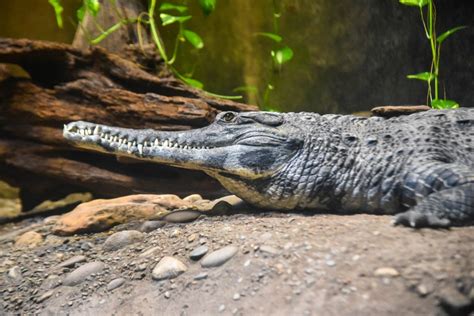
(154, 31)
(434, 54)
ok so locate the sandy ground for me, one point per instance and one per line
(287, 264)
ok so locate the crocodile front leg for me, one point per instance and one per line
(444, 195)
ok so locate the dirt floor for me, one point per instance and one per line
(286, 264)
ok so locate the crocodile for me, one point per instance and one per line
(418, 167)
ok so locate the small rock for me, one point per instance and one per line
(422, 290)
(221, 308)
(193, 198)
(45, 296)
(80, 274)
(168, 268)
(192, 237)
(167, 294)
(51, 219)
(149, 226)
(201, 276)
(15, 273)
(115, 283)
(29, 239)
(269, 250)
(198, 253)
(236, 297)
(330, 263)
(223, 205)
(182, 216)
(122, 239)
(71, 261)
(100, 215)
(149, 251)
(454, 302)
(219, 257)
(52, 240)
(386, 272)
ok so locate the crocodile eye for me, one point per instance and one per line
(229, 117)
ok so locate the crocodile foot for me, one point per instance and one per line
(419, 220)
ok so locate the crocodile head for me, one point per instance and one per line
(235, 146)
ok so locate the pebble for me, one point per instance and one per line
(198, 253)
(167, 294)
(269, 250)
(221, 308)
(80, 274)
(45, 296)
(71, 261)
(115, 283)
(219, 257)
(386, 272)
(149, 251)
(193, 198)
(330, 263)
(182, 216)
(122, 239)
(192, 237)
(454, 302)
(422, 290)
(149, 226)
(15, 273)
(201, 276)
(168, 268)
(236, 297)
(29, 239)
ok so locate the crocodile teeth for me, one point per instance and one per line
(166, 143)
(96, 130)
(157, 143)
(140, 149)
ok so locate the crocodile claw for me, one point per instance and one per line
(419, 220)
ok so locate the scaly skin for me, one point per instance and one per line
(418, 166)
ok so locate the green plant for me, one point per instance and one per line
(432, 77)
(170, 13)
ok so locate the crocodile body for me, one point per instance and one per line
(420, 166)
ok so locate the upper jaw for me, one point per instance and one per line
(139, 143)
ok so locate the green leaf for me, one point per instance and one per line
(277, 38)
(80, 13)
(444, 104)
(167, 19)
(424, 76)
(166, 6)
(207, 6)
(58, 11)
(283, 55)
(93, 6)
(415, 3)
(448, 33)
(193, 38)
(193, 82)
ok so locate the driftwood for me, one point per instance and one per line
(67, 84)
